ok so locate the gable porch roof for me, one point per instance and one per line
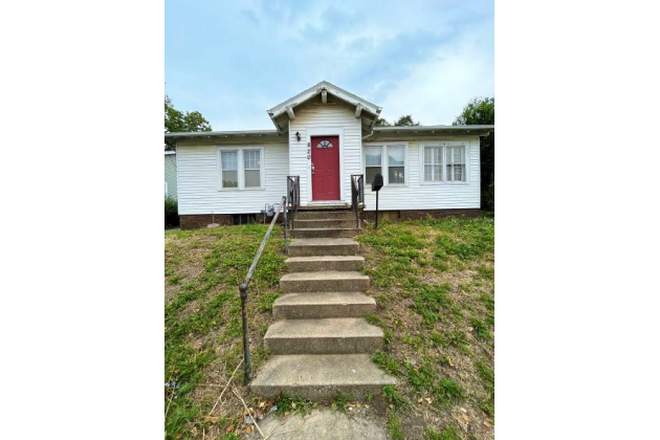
(285, 111)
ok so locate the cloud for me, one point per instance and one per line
(233, 62)
(436, 90)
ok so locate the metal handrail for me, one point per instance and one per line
(293, 194)
(357, 195)
(242, 289)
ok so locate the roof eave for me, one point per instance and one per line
(426, 131)
(222, 135)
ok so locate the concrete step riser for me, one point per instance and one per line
(349, 285)
(323, 223)
(325, 215)
(320, 311)
(320, 392)
(326, 345)
(318, 266)
(310, 250)
(320, 377)
(324, 233)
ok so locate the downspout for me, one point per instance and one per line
(373, 124)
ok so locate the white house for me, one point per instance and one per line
(170, 174)
(322, 137)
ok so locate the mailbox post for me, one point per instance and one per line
(376, 185)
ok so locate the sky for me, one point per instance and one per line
(232, 61)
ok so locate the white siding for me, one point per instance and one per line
(325, 119)
(170, 174)
(419, 196)
(198, 181)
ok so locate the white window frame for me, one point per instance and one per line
(241, 168)
(384, 163)
(444, 145)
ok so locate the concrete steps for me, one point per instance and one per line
(321, 344)
(323, 336)
(324, 281)
(303, 247)
(323, 305)
(331, 262)
(325, 233)
(320, 377)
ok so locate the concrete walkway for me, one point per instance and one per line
(322, 423)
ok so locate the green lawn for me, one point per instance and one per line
(432, 280)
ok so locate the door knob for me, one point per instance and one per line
(312, 168)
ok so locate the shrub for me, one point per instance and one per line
(171, 212)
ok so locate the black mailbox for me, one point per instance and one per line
(377, 183)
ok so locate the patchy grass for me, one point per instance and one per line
(203, 343)
(433, 280)
(286, 404)
(340, 402)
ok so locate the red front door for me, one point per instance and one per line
(325, 167)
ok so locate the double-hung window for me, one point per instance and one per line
(444, 162)
(387, 160)
(241, 168)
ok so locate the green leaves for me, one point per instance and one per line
(178, 121)
(479, 111)
(403, 121)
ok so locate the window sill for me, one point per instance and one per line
(442, 183)
(240, 189)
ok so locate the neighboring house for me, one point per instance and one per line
(170, 174)
(324, 135)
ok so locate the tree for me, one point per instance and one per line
(178, 121)
(481, 111)
(403, 121)
(380, 122)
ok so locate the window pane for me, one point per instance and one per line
(373, 157)
(230, 179)
(396, 175)
(428, 173)
(433, 164)
(251, 159)
(229, 160)
(458, 172)
(395, 156)
(371, 172)
(456, 155)
(252, 178)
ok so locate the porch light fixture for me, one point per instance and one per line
(298, 136)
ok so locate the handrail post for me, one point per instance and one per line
(246, 343)
(286, 224)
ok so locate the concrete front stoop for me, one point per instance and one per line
(321, 344)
